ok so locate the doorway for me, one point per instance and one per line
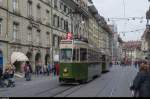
(1, 59)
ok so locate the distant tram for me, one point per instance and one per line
(79, 61)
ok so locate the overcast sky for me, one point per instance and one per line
(133, 8)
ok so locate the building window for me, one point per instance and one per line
(56, 41)
(48, 38)
(1, 1)
(15, 31)
(15, 5)
(58, 21)
(0, 27)
(39, 13)
(47, 17)
(61, 5)
(65, 8)
(61, 22)
(55, 20)
(29, 8)
(38, 37)
(55, 4)
(30, 35)
(66, 25)
(49, 2)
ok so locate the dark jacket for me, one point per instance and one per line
(142, 84)
(1, 72)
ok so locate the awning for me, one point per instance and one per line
(18, 56)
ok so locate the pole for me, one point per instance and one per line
(51, 35)
(112, 49)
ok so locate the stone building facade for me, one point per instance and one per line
(35, 27)
(26, 29)
(132, 51)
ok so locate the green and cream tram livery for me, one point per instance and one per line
(79, 61)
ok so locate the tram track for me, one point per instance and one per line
(106, 85)
(73, 91)
(67, 89)
(53, 92)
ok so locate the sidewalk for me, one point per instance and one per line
(35, 77)
(21, 81)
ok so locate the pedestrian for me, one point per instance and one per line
(44, 70)
(1, 77)
(57, 68)
(141, 83)
(136, 64)
(54, 69)
(6, 77)
(41, 69)
(28, 71)
(37, 70)
(48, 69)
(11, 71)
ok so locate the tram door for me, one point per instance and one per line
(1, 59)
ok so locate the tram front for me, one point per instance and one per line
(66, 55)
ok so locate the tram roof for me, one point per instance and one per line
(80, 43)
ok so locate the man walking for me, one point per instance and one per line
(28, 71)
(1, 75)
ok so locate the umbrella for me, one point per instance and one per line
(18, 56)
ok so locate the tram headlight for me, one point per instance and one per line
(65, 70)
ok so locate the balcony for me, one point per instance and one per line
(16, 41)
(16, 11)
(70, 2)
(39, 20)
(31, 17)
(48, 45)
(48, 24)
(30, 42)
(38, 44)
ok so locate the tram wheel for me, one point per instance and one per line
(82, 81)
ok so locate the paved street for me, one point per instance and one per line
(113, 84)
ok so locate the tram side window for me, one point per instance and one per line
(83, 54)
(76, 55)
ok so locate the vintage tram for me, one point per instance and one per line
(79, 61)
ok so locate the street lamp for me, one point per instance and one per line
(148, 15)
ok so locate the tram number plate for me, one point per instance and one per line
(65, 74)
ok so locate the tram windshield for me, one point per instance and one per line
(66, 55)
